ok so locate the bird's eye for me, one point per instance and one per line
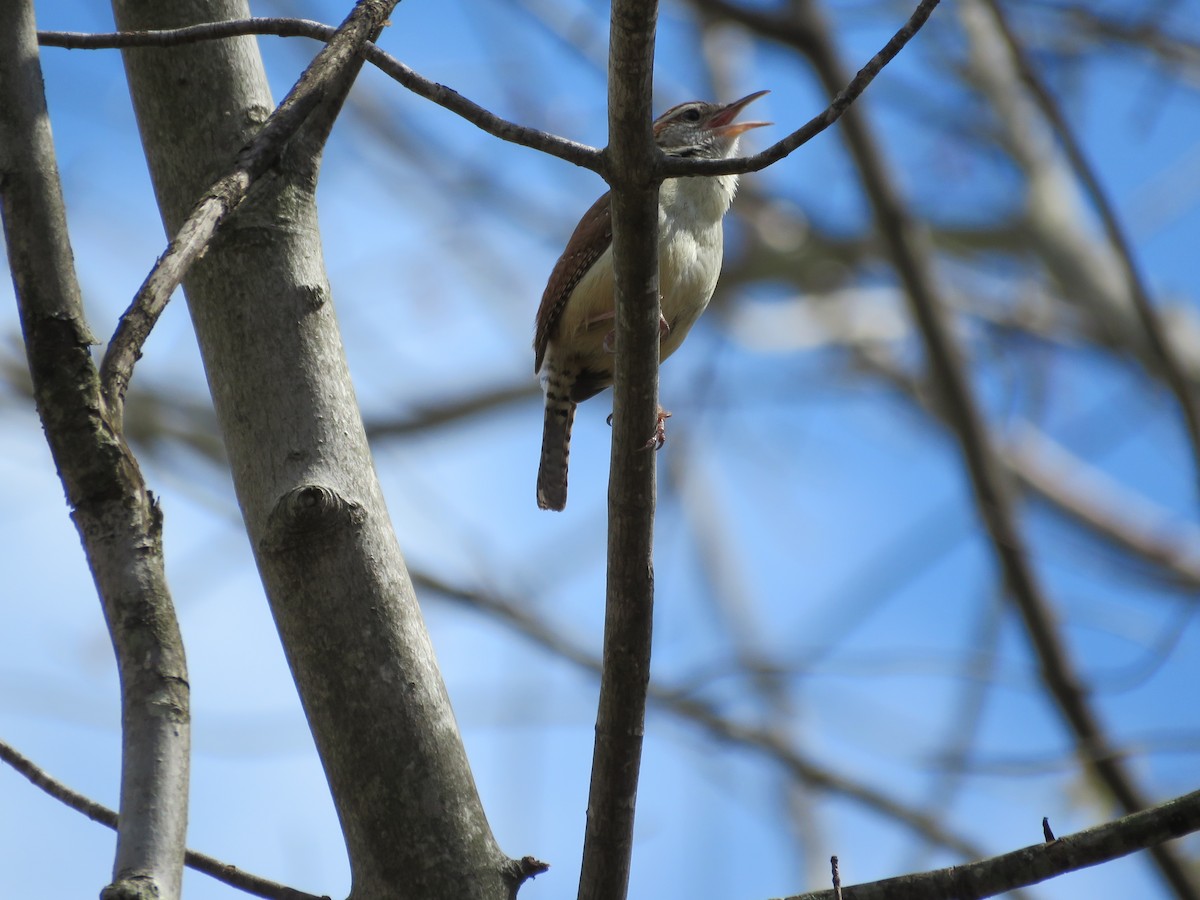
(691, 115)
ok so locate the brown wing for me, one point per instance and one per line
(592, 236)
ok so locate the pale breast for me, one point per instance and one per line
(689, 264)
(690, 251)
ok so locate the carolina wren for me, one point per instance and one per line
(573, 352)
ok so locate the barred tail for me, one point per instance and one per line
(556, 448)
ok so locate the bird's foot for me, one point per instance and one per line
(660, 430)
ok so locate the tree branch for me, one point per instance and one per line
(310, 498)
(97, 812)
(118, 519)
(670, 167)
(629, 596)
(223, 198)
(447, 98)
(1038, 862)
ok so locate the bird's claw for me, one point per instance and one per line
(660, 431)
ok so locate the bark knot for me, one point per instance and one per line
(308, 512)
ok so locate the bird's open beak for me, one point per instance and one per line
(722, 121)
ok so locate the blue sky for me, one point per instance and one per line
(835, 522)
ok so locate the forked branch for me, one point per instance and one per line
(224, 197)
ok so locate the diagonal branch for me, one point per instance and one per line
(223, 198)
(782, 29)
(118, 519)
(97, 812)
(1073, 487)
(1038, 862)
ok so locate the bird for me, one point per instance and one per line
(573, 332)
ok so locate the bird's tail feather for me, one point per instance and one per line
(556, 448)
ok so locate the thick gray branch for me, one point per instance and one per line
(117, 518)
(323, 76)
(313, 509)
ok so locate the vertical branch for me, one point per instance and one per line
(314, 511)
(118, 519)
(620, 720)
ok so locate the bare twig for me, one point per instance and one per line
(1167, 358)
(579, 154)
(97, 812)
(447, 98)
(188, 34)
(1038, 862)
(118, 519)
(842, 99)
(227, 194)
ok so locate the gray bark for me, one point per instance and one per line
(313, 509)
(118, 519)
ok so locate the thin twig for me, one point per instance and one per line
(1139, 294)
(675, 166)
(570, 151)
(447, 98)
(1037, 862)
(97, 812)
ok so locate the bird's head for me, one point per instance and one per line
(703, 130)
